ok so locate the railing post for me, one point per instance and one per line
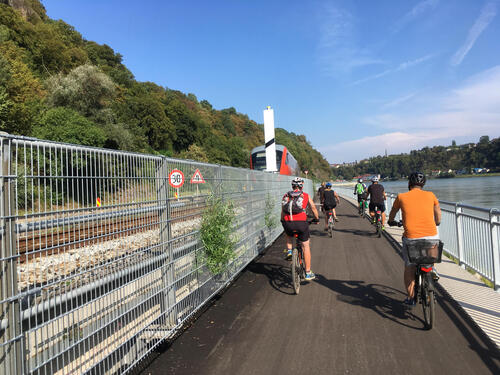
(458, 223)
(495, 246)
(168, 302)
(10, 343)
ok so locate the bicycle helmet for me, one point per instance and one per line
(297, 182)
(416, 179)
(374, 179)
(328, 185)
(360, 180)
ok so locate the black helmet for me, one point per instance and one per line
(416, 179)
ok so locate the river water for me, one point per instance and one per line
(476, 191)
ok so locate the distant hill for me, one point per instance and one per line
(56, 85)
(438, 161)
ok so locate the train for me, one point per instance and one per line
(284, 160)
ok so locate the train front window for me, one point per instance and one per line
(259, 160)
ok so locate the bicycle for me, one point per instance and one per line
(298, 265)
(361, 208)
(331, 223)
(378, 223)
(424, 253)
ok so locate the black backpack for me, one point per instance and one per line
(292, 203)
(329, 198)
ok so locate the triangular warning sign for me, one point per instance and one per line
(197, 178)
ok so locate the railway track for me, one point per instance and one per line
(56, 240)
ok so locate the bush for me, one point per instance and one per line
(65, 125)
(216, 234)
(269, 215)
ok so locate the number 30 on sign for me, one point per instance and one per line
(176, 178)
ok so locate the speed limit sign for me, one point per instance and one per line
(176, 178)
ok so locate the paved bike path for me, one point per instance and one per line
(350, 320)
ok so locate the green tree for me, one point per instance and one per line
(85, 89)
(66, 125)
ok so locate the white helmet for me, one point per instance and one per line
(297, 182)
(360, 180)
(374, 179)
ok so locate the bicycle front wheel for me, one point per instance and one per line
(295, 268)
(428, 301)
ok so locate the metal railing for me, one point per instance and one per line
(100, 255)
(470, 234)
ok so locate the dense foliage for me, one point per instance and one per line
(431, 160)
(54, 83)
(217, 234)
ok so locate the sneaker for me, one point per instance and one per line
(435, 274)
(383, 227)
(310, 276)
(336, 219)
(409, 302)
(289, 254)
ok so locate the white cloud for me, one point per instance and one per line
(488, 12)
(464, 113)
(337, 48)
(403, 66)
(416, 11)
(396, 102)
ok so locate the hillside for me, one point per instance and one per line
(56, 85)
(436, 160)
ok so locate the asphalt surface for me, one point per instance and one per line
(350, 320)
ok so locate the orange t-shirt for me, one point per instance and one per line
(417, 207)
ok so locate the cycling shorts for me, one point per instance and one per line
(328, 207)
(361, 197)
(301, 227)
(373, 207)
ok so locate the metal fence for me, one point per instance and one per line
(470, 234)
(101, 258)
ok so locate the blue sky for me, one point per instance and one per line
(356, 77)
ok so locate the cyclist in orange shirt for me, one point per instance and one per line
(421, 215)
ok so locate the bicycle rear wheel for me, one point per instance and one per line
(330, 227)
(379, 229)
(428, 301)
(295, 268)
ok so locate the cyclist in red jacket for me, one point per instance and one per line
(298, 223)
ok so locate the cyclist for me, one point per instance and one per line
(298, 223)
(320, 193)
(377, 197)
(330, 201)
(421, 215)
(360, 191)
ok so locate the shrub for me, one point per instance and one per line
(217, 234)
(269, 215)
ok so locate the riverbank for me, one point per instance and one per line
(478, 175)
(495, 174)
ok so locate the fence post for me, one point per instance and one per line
(495, 246)
(10, 343)
(458, 223)
(168, 302)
